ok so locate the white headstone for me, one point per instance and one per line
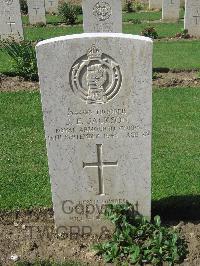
(96, 98)
(10, 19)
(192, 17)
(102, 16)
(155, 4)
(51, 6)
(170, 10)
(36, 11)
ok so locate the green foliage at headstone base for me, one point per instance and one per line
(150, 32)
(69, 13)
(137, 241)
(183, 34)
(23, 7)
(23, 57)
(133, 6)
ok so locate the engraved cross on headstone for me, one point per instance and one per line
(197, 16)
(51, 1)
(100, 164)
(36, 9)
(10, 23)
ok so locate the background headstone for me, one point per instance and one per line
(102, 16)
(51, 6)
(192, 17)
(10, 19)
(155, 4)
(182, 3)
(36, 11)
(170, 10)
(96, 98)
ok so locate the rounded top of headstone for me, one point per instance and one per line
(93, 35)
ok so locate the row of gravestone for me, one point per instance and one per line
(97, 17)
(10, 15)
(158, 4)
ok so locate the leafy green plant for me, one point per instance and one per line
(183, 34)
(154, 75)
(23, 56)
(23, 7)
(138, 241)
(135, 21)
(150, 32)
(69, 13)
(137, 6)
(79, 9)
(128, 6)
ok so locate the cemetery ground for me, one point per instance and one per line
(25, 198)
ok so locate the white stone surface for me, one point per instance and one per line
(102, 16)
(170, 10)
(36, 11)
(96, 98)
(155, 4)
(192, 17)
(10, 19)
(51, 6)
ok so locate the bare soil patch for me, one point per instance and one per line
(162, 80)
(177, 79)
(31, 236)
(13, 84)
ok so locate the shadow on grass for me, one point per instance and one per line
(185, 208)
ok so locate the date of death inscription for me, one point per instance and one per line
(98, 124)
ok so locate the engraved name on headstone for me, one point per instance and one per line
(192, 17)
(155, 4)
(102, 16)
(51, 6)
(170, 10)
(36, 11)
(10, 19)
(96, 98)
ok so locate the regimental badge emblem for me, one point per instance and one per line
(95, 77)
(8, 2)
(102, 11)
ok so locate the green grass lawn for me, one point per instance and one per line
(176, 54)
(164, 30)
(172, 54)
(143, 16)
(148, 16)
(24, 180)
(51, 19)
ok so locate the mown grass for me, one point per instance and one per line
(167, 54)
(164, 30)
(24, 180)
(176, 55)
(143, 16)
(176, 146)
(39, 33)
